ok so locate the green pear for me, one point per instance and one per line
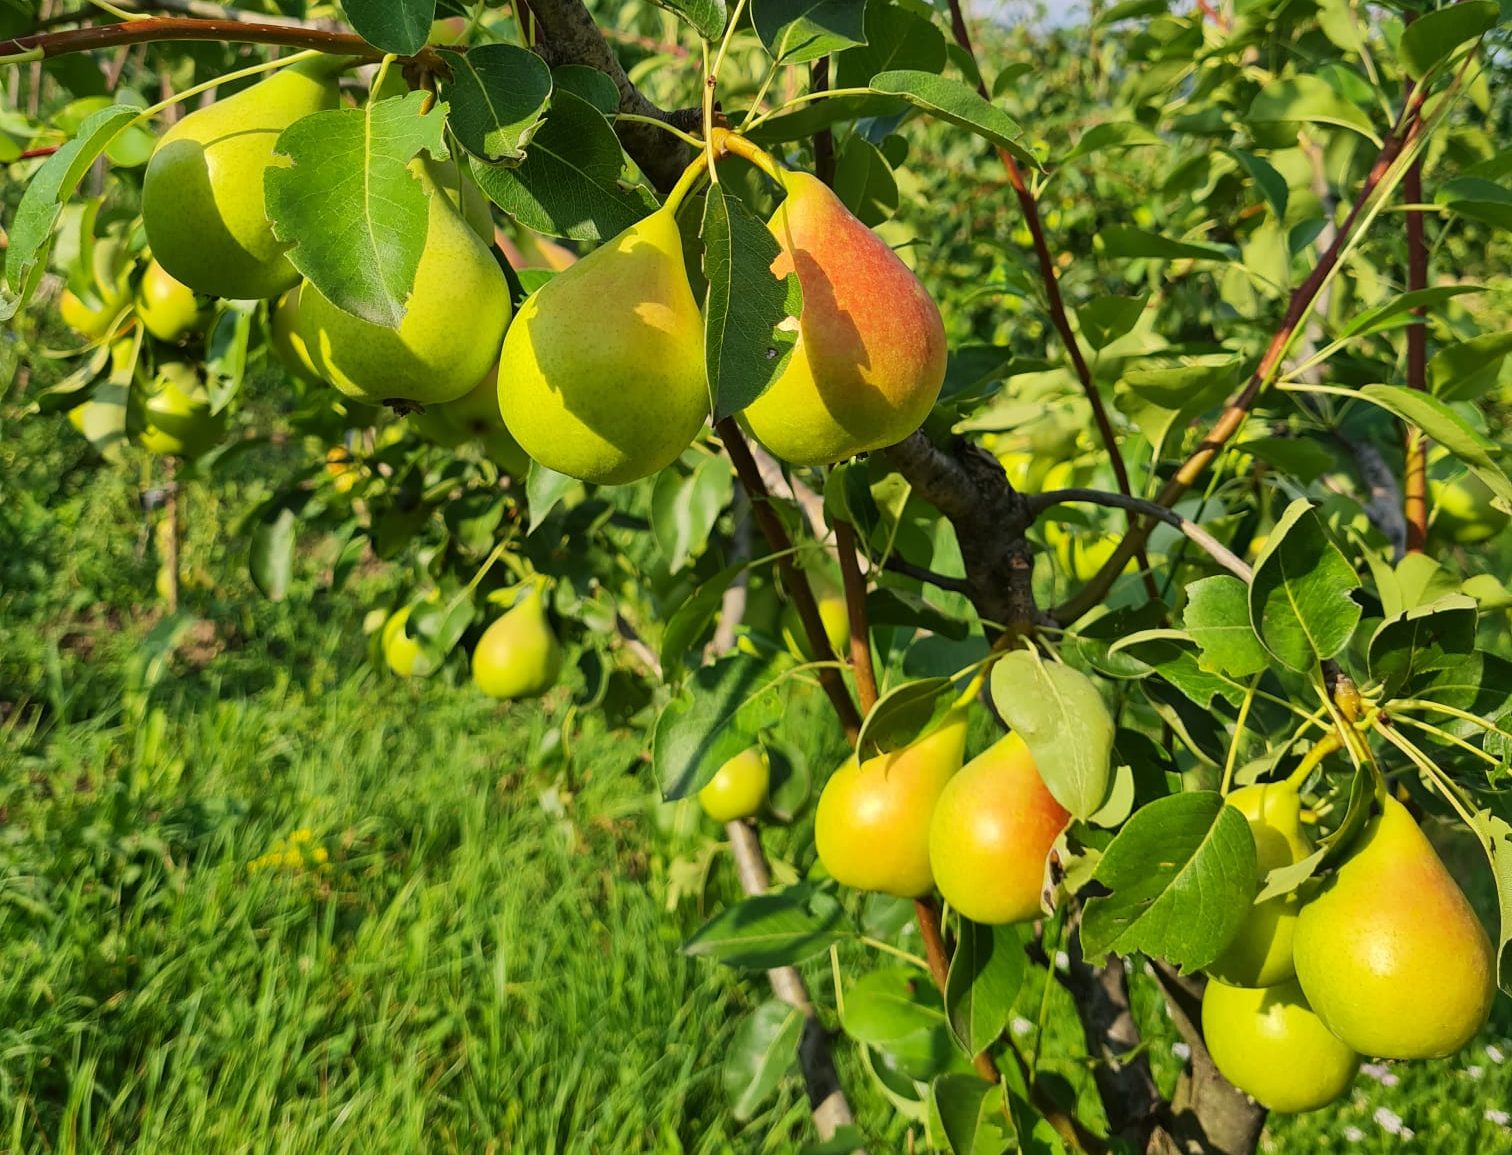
(175, 417)
(835, 615)
(518, 656)
(1261, 954)
(739, 787)
(402, 652)
(474, 416)
(453, 323)
(285, 337)
(168, 308)
(202, 196)
(1390, 953)
(602, 375)
(871, 351)
(1270, 1044)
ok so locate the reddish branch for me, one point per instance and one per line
(1403, 134)
(793, 581)
(180, 28)
(1058, 315)
(855, 608)
(1415, 471)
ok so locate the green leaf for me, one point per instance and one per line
(1435, 36)
(1173, 655)
(1064, 722)
(271, 557)
(570, 182)
(1422, 642)
(771, 930)
(707, 17)
(904, 714)
(684, 509)
(896, 37)
(498, 95)
(1478, 199)
(42, 201)
(587, 84)
(796, 31)
(954, 102)
(985, 975)
(889, 1004)
(1470, 368)
(1123, 241)
(1104, 320)
(750, 317)
(1448, 428)
(1158, 397)
(864, 181)
(1131, 10)
(1272, 183)
(398, 26)
(1112, 136)
(695, 615)
(1300, 599)
(226, 353)
(1398, 310)
(543, 489)
(971, 1114)
(350, 206)
(1308, 100)
(715, 717)
(1495, 836)
(1182, 873)
(764, 1049)
(845, 1141)
(1217, 616)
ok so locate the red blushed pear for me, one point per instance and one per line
(871, 827)
(992, 830)
(871, 351)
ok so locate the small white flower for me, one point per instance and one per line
(1476, 1071)
(1353, 1134)
(1381, 1073)
(1020, 1025)
(1500, 1118)
(1063, 963)
(1495, 1054)
(1389, 1121)
(1181, 1051)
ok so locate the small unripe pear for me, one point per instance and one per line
(168, 308)
(400, 651)
(739, 787)
(518, 656)
(1269, 1044)
(174, 415)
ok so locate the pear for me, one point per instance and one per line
(835, 615)
(739, 787)
(602, 375)
(402, 652)
(518, 656)
(168, 308)
(1390, 953)
(202, 196)
(991, 832)
(175, 417)
(871, 352)
(1261, 954)
(285, 338)
(453, 323)
(871, 827)
(1270, 1044)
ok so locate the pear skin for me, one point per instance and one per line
(475, 417)
(453, 324)
(202, 195)
(400, 651)
(871, 827)
(175, 415)
(518, 656)
(739, 787)
(871, 350)
(991, 832)
(1390, 953)
(1270, 1044)
(602, 375)
(1261, 954)
(286, 339)
(168, 308)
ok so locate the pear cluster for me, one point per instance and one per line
(602, 374)
(914, 820)
(1385, 959)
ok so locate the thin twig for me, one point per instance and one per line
(899, 565)
(855, 608)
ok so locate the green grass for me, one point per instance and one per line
(258, 897)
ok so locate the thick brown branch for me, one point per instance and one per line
(793, 579)
(181, 28)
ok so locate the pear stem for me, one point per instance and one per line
(730, 143)
(1233, 750)
(686, 137)
(806, 98)
(1321, 749)
(686, 183)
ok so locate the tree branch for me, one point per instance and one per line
(1415, 471)
(182, 28)
(1215, 549)
(907, 568)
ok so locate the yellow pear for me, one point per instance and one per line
(1261, 954)
(1390, 953)
(991, 832)
(835, 615)
(871, 350)
(453, 323)
(1269, 1044)
(285, 338)
(518, 656)
(474, 416)
(202, 196)
(169, 309)
(402, 652)
(174, 414)
(739, 787)
(871, 827)
(602, 375)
